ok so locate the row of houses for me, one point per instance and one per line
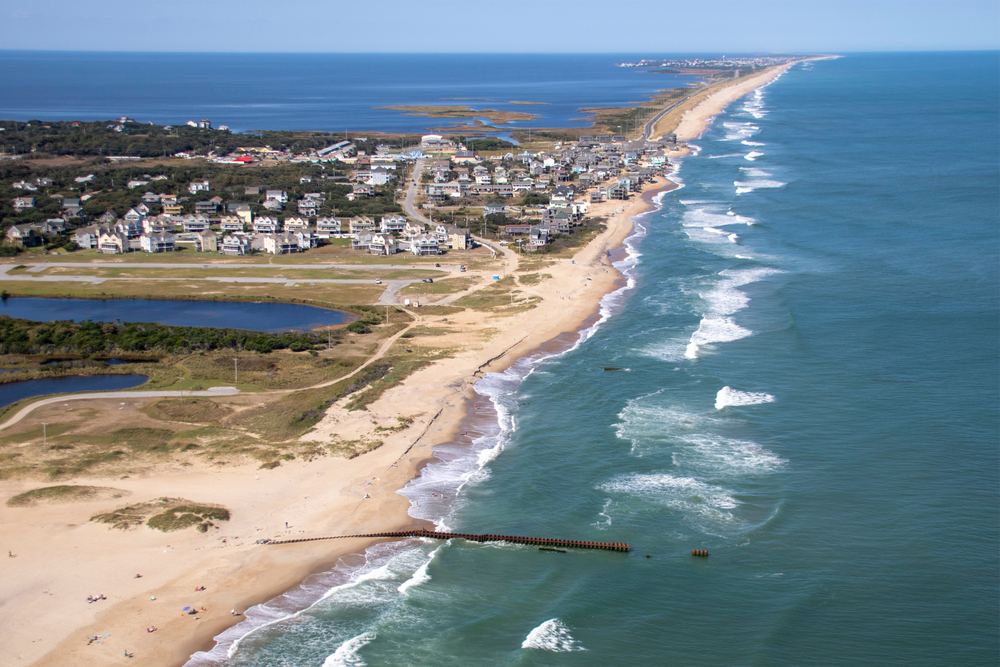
(108, 240)
(589, 163)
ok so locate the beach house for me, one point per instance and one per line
(163, 242)
(235, 245)
(206, 241)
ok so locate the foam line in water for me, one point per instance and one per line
(728, 396)
(743, 187)
(552, 635)
(347, 655)
(420, 576)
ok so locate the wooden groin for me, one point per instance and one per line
(534, 541)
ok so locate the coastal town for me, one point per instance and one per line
(525, 197)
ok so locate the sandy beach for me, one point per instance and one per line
(58, 557)
(691, 117)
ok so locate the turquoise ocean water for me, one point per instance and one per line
(810, 342)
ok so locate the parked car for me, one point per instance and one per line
(378, 282)
(428, 280)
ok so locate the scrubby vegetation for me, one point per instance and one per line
(64, 494)
(19, 336)
(166, 514)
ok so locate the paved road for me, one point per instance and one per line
(26, 410)
(648, 127)
(411, 193)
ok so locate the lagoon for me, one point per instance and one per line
(249, 316)
(17, 391)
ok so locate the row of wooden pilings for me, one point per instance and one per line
(539, 541)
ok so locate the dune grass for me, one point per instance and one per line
(165, 514)
(64, 494)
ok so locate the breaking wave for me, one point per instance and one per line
(552, 635)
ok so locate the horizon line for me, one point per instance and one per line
(512, 53)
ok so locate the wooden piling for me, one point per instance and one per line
(422, 532)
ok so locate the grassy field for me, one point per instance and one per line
(440, 287)
(330, 294)
(201, 272)
(501, 298)
(280, 402)
(337, 251)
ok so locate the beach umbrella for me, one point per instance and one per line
(185, 608)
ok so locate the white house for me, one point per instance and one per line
(382, 244)
(425, 245)
(197, 186)
(234, 245)
(277, 195)
(165, 242)
(265, 225)
(393, 223)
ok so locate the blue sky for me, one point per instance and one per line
(657, 26)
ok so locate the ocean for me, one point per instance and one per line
(809, 342)
(324, 92)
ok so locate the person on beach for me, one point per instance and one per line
(235, 613)
(151, 628)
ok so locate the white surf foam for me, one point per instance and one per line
(714, 330)
(747, 142)
(739, 130)
(755, 172)
(723, 458)
(420, 576)
(552, 635)
(728, 396)
(733, 238)
(601, 525)
(743, 187)
(347, 655)
(752, 155)
(710, 507)
(723, 300)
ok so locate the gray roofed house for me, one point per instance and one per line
(24, 235)
(161, 242)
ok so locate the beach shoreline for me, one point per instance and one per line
(324, 497)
